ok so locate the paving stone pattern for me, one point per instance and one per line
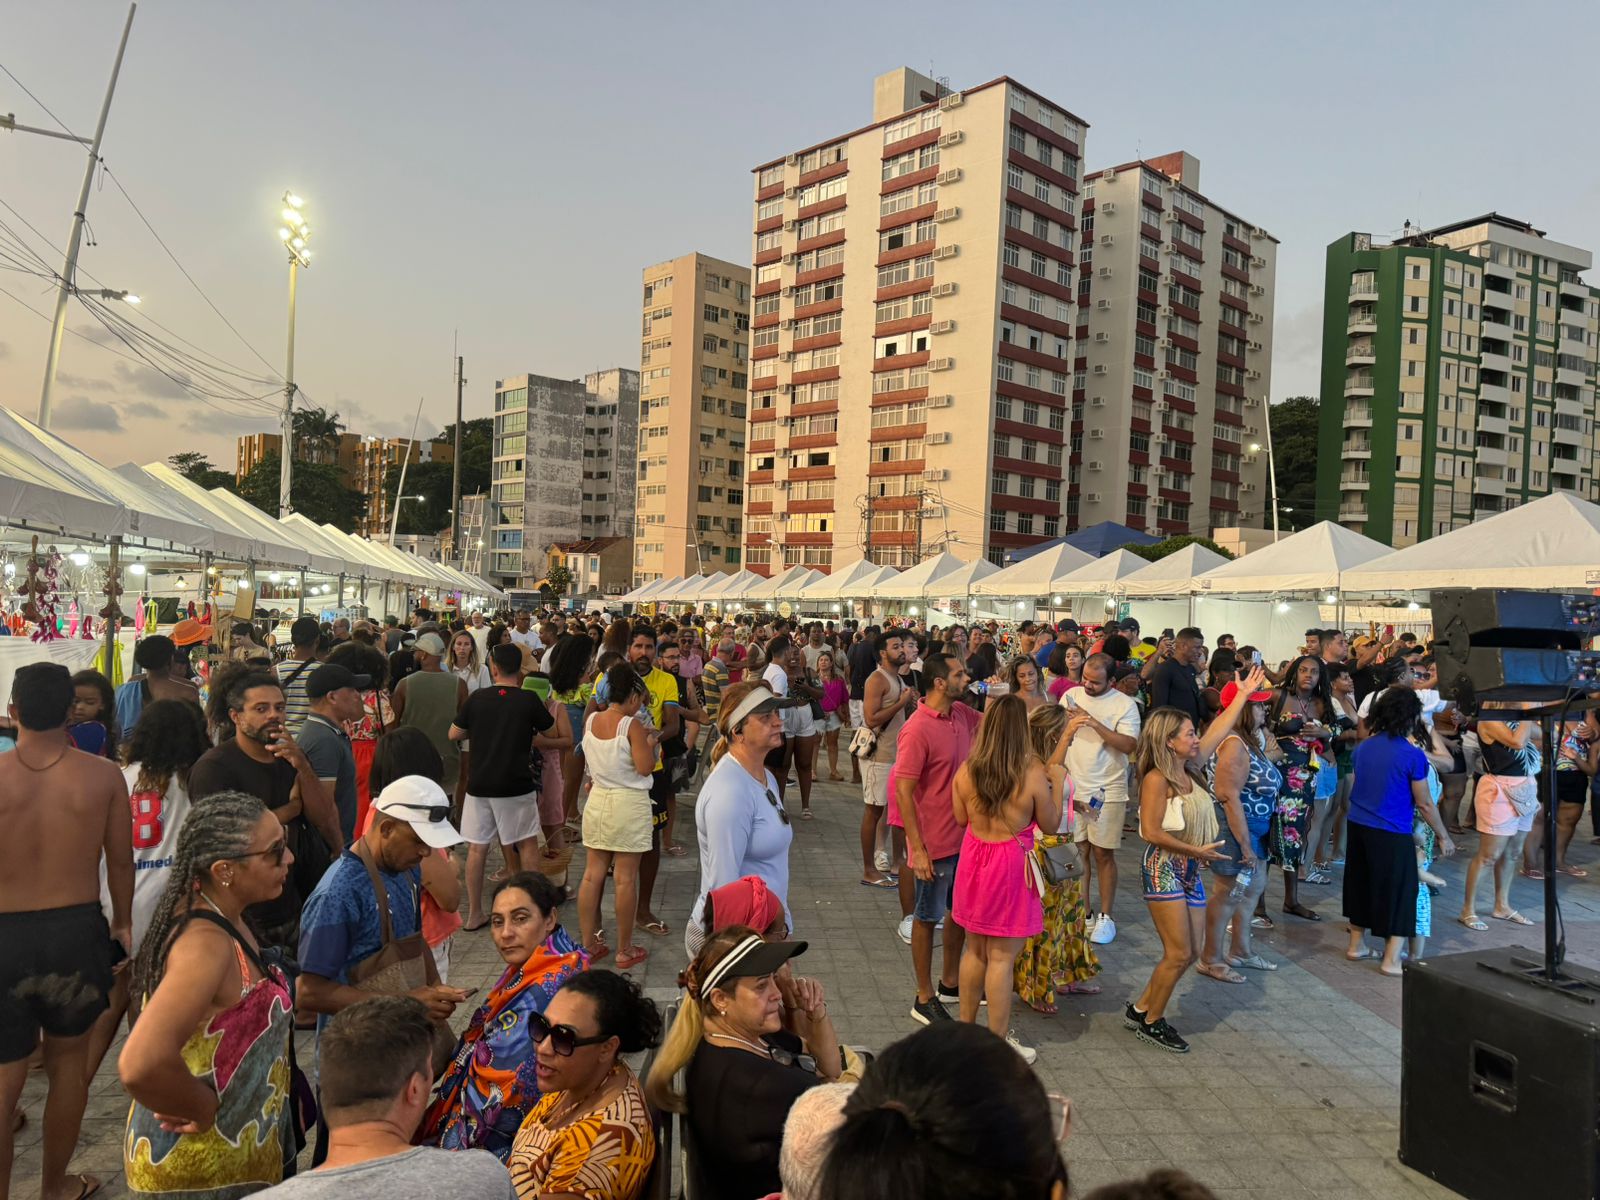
(1291, 1090)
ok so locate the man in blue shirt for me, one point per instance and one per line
(1066, 634)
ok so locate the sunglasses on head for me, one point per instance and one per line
(564, 1039)
(436, 812)
(783, 813)
(274, 852)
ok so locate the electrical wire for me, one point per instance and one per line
(37, 101)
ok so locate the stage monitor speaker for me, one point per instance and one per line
(1478, 611)
(1512, 645)
(1500, 1081)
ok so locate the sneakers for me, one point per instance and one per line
(1159, 1033)
(954, 994)
(1132, 1017)
(927, 1012)
(881, 861)
(1105, 929)
(1028, 1052)
(905, 930)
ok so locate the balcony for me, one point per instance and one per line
(1356, 450)
(1363, 288)
(1575, 289)
(1564, 436)
(1494, 362)
(1571, 406)
(1357, 384)
(1497, 270)
(1494, 393)
(1491, 456)
(1569, 378)
(1350, 481)
(1362, 320)
(1494, 330)
(1497, 426)
(1358, 413)
(1353, 510)
(1363, 353)
(1489, 485)
(1498, 301)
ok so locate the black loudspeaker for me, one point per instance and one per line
(1506, 645)
(1500, 1080)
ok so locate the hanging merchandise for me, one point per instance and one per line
(44, 581)
(72, 618)
(113, 589)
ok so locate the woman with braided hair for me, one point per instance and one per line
(207, 1065)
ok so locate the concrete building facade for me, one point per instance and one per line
(536, 478)
(1174, 354)
(1458, 377)
(694, 364)
(610, 452)
(374, 459)
(895, 305)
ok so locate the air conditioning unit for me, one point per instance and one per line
(791, 193)
(941, 401)
(1256, 318)
(1252, 374)
(1109, 174)
(781, 485)
(1256, 346)
(941, 364)
(791, 224)
(786, 356)
(791, 258)
(940, 438)
(953, 175)
(786, 323)
(792, 159)
(1258, 261)
(1092, 497)
(1257, 290)
(947, 214)
(1247, 487)
(1165, 310)
(939, 327)
(1097, 434)
(1097, 402)
(1103, 305)
(953, 100)
(1094, 464)
(1163, 343)
(1105, 272)
(1249, 459)
(954, 138)
(946, 251)
(936, 474)
(944, 289)
(1252, 430)
(1172, 218)
(1107, 239)
(1099, 368)
(788, 291)
(1102, 336)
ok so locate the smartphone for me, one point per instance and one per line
(468, 993)
(1167, 632)
(1255, 656)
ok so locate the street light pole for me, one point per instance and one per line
(69, 271)
(1272, 473)
(294, 234)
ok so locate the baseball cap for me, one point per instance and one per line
(421, 804)
(750, 958)
(1130, 623)
(189, 632)
(431, 643)
(760, 700)
(330, 677)
(1232, 690)
(1067, 626)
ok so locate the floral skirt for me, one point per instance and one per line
(1286, 836)
(1062, 953)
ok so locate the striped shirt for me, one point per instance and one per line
(296, 704)
(712, 680)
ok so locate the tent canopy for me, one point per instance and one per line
(679, 589)
(731, 586)
(1095, 541)
(1034, 574)
(1552, 542)
(1100, 576)
(1172, 575)
(913, 582)
(1313, 560)
(958, 583)
(788, 584)
(693, 595)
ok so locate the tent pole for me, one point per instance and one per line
(113, 577)
(204, 586)
(300, 601)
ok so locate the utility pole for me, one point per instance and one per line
(455, 475)
(294, 233)
(920, 498)
(69, 270)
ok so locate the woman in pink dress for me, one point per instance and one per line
(1002, 793)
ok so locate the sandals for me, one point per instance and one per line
(1317, 876)
(1575, 872)
(1252, 962)
(1261, 921)
(675, 850)
(1534, 874)
(1221, 973)
(1077, 989)
(835, 778)
(597, 952)
(806, 814)
(483, 924)
(887, 882)
(1513, 917)
(631, 957)
(1301, 911)
(657, 927)
(1474, 923)
(1362, 955)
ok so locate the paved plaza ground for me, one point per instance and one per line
(1291, 1091)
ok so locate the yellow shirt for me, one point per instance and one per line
(663, 691)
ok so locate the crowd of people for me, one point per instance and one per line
(243, 843)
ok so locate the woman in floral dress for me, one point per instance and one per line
(1301, 718)
(1060, 961)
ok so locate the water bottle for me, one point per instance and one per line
(1241, 884)
(1097, 800)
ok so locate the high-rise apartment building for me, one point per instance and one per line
(375, 457)
(610, 449)
(1174, 353)
(912, 330)
(1458, 377)
(563, 458)
(694, 364)
(342, 451)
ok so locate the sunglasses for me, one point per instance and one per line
(275, 852)
(564, 1039)
(783, 813)
(436, 812)
(786, 1058)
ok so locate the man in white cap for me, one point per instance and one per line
(340, 927)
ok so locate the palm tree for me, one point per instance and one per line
(316, 434)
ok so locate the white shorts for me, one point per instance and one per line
(799, 723)
(875, 783)
(858, 714)
(1103, 828)
(512, 819)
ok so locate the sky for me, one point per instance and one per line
(502, 172)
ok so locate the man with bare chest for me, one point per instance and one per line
(60, 809)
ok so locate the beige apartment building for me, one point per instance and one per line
(694, 363)
(912, 330)
(1175, 299)
(374, 457)
(610, 465)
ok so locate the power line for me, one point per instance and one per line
(37, 101)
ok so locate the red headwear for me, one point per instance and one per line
(746, 901)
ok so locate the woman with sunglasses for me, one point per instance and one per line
(490, 1084)
(915, 1128)
(742, 826)
(742, 1070)
(590, 1133)
(207, 1064)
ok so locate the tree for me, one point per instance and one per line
(432, 481)
(559, 579)
(1294, 446)
(194, 466)
(1172, 545)
(319, 492)
(316, 435)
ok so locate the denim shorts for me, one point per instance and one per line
(934, 896)
(1229, 867)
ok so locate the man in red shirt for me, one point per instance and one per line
(933, 744)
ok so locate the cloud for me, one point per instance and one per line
(80, 412)
(144, 408)
(87, 383)
(151, 382)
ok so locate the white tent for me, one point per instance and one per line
(656, 587)
(1099, 576)
(913, 582)
(677, 590)
(1552, 542)
(1313, 560)
(730, 586)
(957, 585)
(634, 594)
(1172, 575)
(1034, 575)
(779, 586)
(862, 589)
(693, 595)
(269, 541)
(841, 584)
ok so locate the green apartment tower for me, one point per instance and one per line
(1458, 377)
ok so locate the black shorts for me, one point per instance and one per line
(1572, 787)
(660, 793)
(55, 975)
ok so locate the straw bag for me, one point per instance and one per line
(400, 965)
